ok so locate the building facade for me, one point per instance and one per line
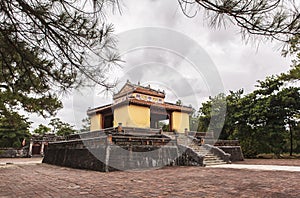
(139, 106)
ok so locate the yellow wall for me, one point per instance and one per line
(180, 121)
(96, 122)
(132, 116)
(138, 116)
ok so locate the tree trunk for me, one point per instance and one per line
(291, 140)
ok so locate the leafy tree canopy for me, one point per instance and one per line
(61, 128)
(21, 84)
(86, 124)
(42, 129)
(275, 19)
(265, 121)
(47, 46)
(13, 130)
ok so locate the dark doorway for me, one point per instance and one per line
(36, 149)
(160, 121)
(108, 121)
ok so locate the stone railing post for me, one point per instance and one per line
(185, 131)
(176, 138)
(160, 131)
(120, 127)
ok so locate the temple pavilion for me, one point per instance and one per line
(138, 106)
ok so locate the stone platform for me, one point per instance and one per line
(110, 150)
(132, 148)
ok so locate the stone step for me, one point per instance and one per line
(206, 154)
(209, 158)
(211, 164)
(215, 160)
(200, 150)
(210, 155)
(212, 158)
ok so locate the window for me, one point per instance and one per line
(138, 96)
(149, 98)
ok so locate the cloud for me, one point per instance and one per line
(239, 64)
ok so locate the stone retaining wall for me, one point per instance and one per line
(102, 155)
(12, 152)
(235, 152)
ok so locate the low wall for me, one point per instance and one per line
(102, 155)
(235, 152)
(12, 152)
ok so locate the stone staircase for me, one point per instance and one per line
(209, 158)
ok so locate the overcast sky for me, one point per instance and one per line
(238, 64)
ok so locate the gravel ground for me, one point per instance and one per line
(42, 180)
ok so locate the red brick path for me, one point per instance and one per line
(42, 180)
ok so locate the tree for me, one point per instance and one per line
(164, 126)
(13, 130)
(193, 119)
(272, 115)
(47, 46)
(86, 124)
(21, 86)
(296, 138)
(204, 118)
(290, 110)
(276, 19)
(245, 118)
(61, 128)
(42, 130)
(230, 122)
(261, 120)
(293, 75)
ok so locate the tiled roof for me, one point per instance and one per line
(166, 106)
(133, 88)
(99, 109)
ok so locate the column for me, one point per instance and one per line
(30, 148)
(42, 148)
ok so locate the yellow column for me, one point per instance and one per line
(180, 121)
(96, 122)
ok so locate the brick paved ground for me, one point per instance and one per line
(42, 180)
